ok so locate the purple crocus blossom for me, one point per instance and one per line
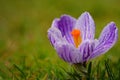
(62, 40)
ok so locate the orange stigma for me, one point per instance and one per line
(76, 37)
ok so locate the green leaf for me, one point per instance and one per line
(89, 71)
(109, 70)
(20, 70)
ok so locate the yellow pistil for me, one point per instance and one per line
(76, 37)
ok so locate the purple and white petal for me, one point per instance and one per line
(68, 52)
(65, 24)
(86, 49)
(106, 40)
(54, 35)
(55, 23)
(86, 25)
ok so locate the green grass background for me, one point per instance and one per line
(23, 33)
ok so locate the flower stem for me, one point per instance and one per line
(81, 69)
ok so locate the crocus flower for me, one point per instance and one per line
(73, 39)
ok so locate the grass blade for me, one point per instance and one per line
(109, 70)
(23, 74)
(89, 71)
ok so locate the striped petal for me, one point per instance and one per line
(106, 40)
(86, 25)
(54, 35)
(68, 52)
(65, 24)
(86, 49)
(64, 49)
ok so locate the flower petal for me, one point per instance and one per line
(54, 35)
(65, 24)
(55, 23)
(68, 52)
(106, 40)
(86, 25)
(65, 50)
(86, 49)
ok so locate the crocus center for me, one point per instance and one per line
(76, 37)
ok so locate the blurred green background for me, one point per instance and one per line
(24, 25)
